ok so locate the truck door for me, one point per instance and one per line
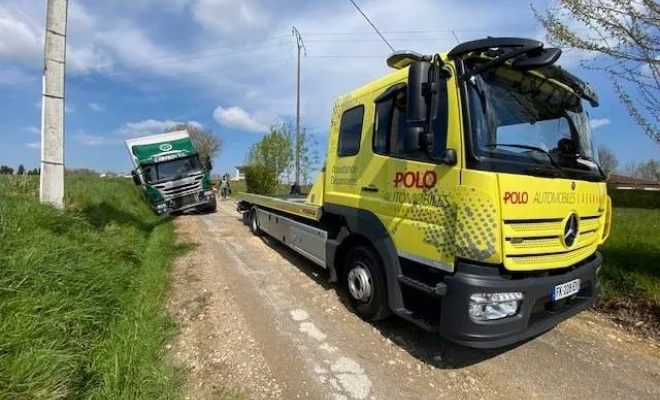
(410, 191)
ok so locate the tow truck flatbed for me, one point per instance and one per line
(293, 205)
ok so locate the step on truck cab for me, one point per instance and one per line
(171, 173)
(461, 193)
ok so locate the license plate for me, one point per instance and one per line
(566, 289)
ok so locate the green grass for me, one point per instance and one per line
(632, 256)
(82, 294)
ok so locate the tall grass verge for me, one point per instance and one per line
(82, 294)
(631, 273)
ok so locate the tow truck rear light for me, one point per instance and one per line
(490, 306)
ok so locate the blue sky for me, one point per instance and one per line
(134, 67)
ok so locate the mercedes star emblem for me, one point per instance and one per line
(570, 230)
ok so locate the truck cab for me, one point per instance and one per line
(169, 169)
(462, 193)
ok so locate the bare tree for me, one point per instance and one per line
(207, 143)
(608, 161)
(630, 169)
(627, 34)
(649, 170)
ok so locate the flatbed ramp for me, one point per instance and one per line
(293, 206)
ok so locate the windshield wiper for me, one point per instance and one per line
(532, 148)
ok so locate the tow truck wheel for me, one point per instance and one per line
(365, 285)
(254, 223)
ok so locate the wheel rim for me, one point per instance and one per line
(359, 283)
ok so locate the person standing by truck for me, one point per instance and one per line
(224, 187)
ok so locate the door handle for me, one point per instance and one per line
(369, 188)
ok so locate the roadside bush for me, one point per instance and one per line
(260, 179)
(635, 198)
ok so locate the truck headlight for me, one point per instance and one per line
(489, 306)
(161, 206)
(208, 193)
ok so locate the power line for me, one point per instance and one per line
(455, 37)
(373, 26)
(144, 63)
(378, 40)
(348, 56)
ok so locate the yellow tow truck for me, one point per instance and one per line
(461, 192)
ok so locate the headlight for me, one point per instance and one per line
(161, 206)
(208, 193)
(489, 306)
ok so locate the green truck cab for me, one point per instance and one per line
(171, 173)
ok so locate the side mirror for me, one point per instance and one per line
(449, 157)
(207, 165)
(137, 179)
(418, 78)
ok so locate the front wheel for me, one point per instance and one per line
(212, 207)
(365, 284)
(254, 222)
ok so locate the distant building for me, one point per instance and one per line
(621, 182)
(240, 173)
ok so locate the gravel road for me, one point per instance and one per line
(261, 322)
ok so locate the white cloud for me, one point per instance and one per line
(231, 17)
(19, 37)
(87, 59)
(597, 123)
(149, 127)
(94, 140)
(236, 117)
(33, 145)
(32, 129)
(97, 107)
(69, 108)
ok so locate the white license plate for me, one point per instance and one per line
(566, 289)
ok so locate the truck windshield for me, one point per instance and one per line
(525, 123)
(171, 170)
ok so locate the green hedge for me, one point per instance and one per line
(634, 198)
(260, 179)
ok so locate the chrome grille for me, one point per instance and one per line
(181, 188)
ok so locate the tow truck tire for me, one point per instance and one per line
(211, 208)
(364, 281)
(254, 223)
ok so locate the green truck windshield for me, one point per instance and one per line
(171, 170)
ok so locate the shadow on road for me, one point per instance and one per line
(425, 346)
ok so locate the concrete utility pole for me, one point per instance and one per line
(301, 46)
(51, 189)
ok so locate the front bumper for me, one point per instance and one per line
(538, 313)
(183, 203)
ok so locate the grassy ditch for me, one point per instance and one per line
(82, 293)
(631, 274)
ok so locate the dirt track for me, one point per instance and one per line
(259, 320)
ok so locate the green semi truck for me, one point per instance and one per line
(171, 173)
